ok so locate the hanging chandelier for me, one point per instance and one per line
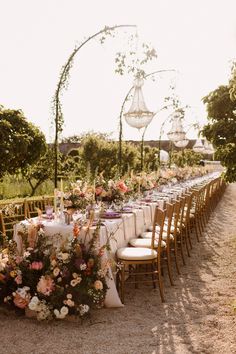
(208, 148)
(198, 146)
(138, 116)
(181, 143)
(176, 132)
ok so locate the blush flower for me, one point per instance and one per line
(36, 265)
(45, 285)
(122, 186)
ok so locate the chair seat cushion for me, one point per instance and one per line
(136, 254)
(148, 235)
(145, 242)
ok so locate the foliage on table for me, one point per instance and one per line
(53, 282)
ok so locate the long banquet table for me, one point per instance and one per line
(128, 226)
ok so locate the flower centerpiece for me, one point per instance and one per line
(54, 282)
(79, 196)
(111, 191)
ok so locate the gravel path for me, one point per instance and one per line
(198, 315)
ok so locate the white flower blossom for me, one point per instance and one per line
(83, 266)
(83, 309)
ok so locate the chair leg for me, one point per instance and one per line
(196, 229)
(189, 236)
(182, 249)
(169, 265)
(122, 284)
(153, 277)
(186, 241)
(176, 256)
(160, 281)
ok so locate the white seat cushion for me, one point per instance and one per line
(164, 236)
(136, 254)
(148, 235)
(145, 242)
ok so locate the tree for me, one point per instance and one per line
(221, 129)
(186, 157)
(97, 154)
(39, 172)
(21, 142)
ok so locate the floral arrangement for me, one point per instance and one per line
(80, 196)
(144, 182)
(111, 191)
(53, 282)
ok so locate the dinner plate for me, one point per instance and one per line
(111, 216)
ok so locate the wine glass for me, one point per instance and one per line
(49, 211)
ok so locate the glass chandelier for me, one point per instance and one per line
(176, 132)
(138, 116)
(181, 143)
(208, 148)
(198, 146)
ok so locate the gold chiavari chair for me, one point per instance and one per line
(133, 259)
(167, 237)
(10, 214)
(38, 204)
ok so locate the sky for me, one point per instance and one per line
(196, 38)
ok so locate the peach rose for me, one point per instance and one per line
(20, 302)
(45, 285)
(122, 186)
(98, 285)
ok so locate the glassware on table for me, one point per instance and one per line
(49, 211)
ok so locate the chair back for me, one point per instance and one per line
(11, 214)
(169, 217)
(33, 205)
(187, 208)
(177, 214)
(158, 222)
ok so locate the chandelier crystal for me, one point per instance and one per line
(138, 116)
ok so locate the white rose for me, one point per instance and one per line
(64, 310)
(33, 305)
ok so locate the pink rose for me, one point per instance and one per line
(36, 265)
(122, 187)
(45, 285)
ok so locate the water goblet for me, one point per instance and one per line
(49, 211)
